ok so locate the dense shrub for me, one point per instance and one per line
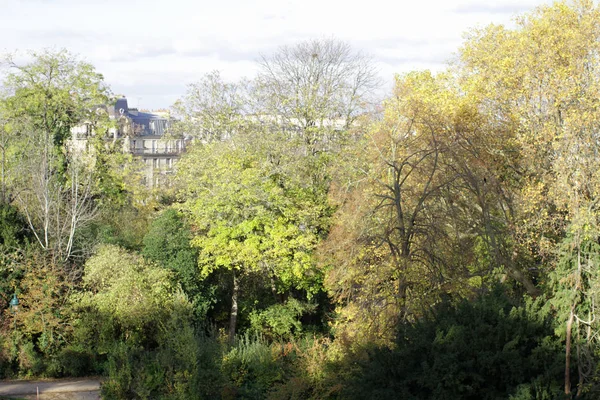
(281, 320)
(482, 349)
(251, 367)
(167, 243)
(13, 227)
(34, 336)
(77, 360)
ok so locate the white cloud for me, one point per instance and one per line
(151, 49)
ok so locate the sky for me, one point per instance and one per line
(150, 50)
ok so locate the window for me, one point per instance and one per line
(155, 163)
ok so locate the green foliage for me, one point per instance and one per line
(182, 366)
(49, 96)
(76, 360)
(36, 334)
(246, 220)
(134, 316)
(312, 370)
(13, 227)
(116, 173)
(252, 221)
(11, 273)
(121, 226)
(126, 287)
(69, 93)
(252, 366)
(575, 285)
(483, 349)
(576, 280)
(42, 307)
(14, 244)
(281, 320)
(50, 181)
(208, 381)
(167, 243)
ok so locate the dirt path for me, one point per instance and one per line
(60, 389)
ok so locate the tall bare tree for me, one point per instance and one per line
(318, 86)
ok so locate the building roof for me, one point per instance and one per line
(144, 123)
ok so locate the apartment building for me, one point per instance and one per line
(144, 135)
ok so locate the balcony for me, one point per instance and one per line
(158, 151)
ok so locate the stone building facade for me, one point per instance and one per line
(143, 134)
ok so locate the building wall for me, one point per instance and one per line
(156, 145)
(142, 134)
(158, 154)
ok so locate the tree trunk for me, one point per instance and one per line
(580, 371)
(274, 289)
(570, 324)
(234, 309)
(568, 353)
(3, 174)
(503, 259)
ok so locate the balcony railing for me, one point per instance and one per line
(158, 151)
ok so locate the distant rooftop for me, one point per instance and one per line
(145, 123)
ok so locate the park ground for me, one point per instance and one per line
(61, 389)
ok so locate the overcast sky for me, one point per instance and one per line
(149, 50)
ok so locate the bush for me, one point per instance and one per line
(76, 361)
(119, 371)
(281, 320)
(484, 349)
(13, 227)
(251, 367)
(35, 335)
(310, 376)
(208, 381)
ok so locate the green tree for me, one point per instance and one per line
(37, 332)
(485, 348)
(247, 220)
(168, 243)
(45, 99)
(13, 227)
(126, 287)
